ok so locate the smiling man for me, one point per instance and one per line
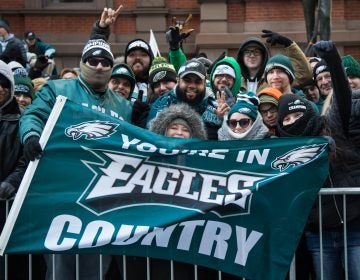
(191, 89)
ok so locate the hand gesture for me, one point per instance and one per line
(222, 107)
(108, 16)
(274, 38)
(324, 48)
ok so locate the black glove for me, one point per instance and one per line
(32, 148)
(275, 38)
(325, 49)
(174, 38)
(41, 62)
(6, 190)
(140, 113)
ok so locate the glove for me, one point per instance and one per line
(6, 190)
(140, 113)
(173, 37)
(325, 49)
(32, 148)
(41, 62)
(275, 38)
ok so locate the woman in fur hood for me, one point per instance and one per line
(179, 120)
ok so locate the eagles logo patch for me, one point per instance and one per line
(297, 157)
(91, 130)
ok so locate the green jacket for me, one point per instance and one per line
(35, 116)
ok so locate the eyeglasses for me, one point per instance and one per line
(271, 110)
(244, 123)
(94, 61)
(223, 76)
(254, 52)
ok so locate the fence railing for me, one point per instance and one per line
(121, 267)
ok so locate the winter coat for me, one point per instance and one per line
(76, 90)
(41, 48)
(12, 167)
(12, 49)
(258, 130)
(179, 111)
(343, 119)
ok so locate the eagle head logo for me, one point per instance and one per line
(91, 130)
(298, 156)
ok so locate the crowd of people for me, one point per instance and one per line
(247, 97)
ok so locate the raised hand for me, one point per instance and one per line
(275, 38)
(108, 16)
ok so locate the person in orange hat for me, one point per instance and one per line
(268, 107)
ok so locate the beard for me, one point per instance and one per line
(182, 96)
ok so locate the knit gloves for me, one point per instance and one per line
(274, 38)
(32, 148)
(6, 190)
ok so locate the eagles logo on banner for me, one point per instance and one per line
(105, 186)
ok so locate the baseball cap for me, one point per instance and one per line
(192, 66)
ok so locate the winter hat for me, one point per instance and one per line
(320, 67)
(161, 70)
(310, 124)
(123, 70)
(23, 85)
(269, 95)
(192, 66)
(224, 69)
(247, 104)
(175, 112)
(282, 62)
(97, 48)
(29, 35)
(138, 44)
(352, 67)
(4, 24)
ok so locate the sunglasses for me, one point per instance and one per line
(244, 123)
(94, 61)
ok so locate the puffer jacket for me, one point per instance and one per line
(12, 168)
(76, 90)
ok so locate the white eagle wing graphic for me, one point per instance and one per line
(297, 157)
(91, 130)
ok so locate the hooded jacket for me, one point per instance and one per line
(11, 167)
(258, 130)
(179, 111)
(233, 63)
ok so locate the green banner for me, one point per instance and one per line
(106, 186)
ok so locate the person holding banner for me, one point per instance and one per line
(90, 90)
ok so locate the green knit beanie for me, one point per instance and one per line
(352, 67)
(123, 70)
(160, 70)
(247, 103)
(23, 85)
(282, 62)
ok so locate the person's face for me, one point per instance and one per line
(178, 131)
(323, 81)
(354, 82)
(3, 32)
(269, 113)
(222, 80)
(312, 93)
(120, 85)
(4, 94)
(277, 78)
(192, 87)
(139, 61)
(291, 118)
(162, 87)
(23, 100)
(239, 123)
(252, 58)
(31, 42)
(69, 75)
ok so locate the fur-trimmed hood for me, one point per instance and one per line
(179, 111)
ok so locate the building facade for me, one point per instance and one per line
(220, 25)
